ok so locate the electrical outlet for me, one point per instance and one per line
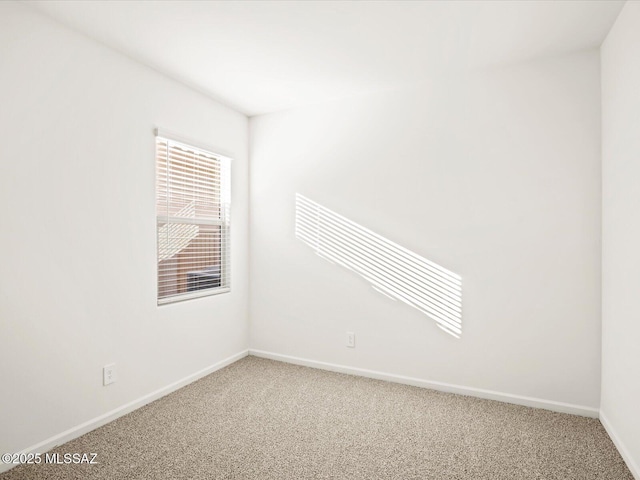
(351, 340)
(109, 374)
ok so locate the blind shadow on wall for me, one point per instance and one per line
(390, 268)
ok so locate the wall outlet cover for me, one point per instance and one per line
(109, 374)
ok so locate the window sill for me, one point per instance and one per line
(191, 295)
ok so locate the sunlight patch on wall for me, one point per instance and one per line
(390, 268)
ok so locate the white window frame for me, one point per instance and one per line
(225, 223)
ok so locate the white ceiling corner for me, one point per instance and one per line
(265, 56)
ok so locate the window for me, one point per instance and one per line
(193, 218)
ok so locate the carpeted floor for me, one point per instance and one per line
(260, 419)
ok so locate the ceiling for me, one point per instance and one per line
(265, 56)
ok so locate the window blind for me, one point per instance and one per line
(193, 221)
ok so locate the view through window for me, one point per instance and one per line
(193, 220)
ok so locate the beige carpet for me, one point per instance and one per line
(260, 419)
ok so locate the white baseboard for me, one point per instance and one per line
(443, 387)
(624, 452)
(96, 422)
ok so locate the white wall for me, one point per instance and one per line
(78, 233)
(621, 233)
(495, 176)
